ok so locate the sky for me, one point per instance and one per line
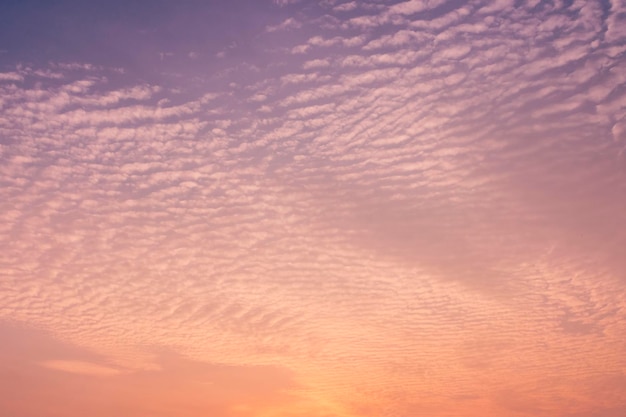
(294, 208)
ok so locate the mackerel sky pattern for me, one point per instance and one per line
(313, 208)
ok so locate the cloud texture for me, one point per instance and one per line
(360, 209)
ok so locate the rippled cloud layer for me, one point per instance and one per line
(338, 209)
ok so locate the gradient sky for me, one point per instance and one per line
(298, 208)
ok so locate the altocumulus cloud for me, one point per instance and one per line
(402, 208)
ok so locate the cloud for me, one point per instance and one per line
(282, 3)
(346, 7)
(82, 368)
(316, 63)
(11, 76)
(289, 23)
(425, 193)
